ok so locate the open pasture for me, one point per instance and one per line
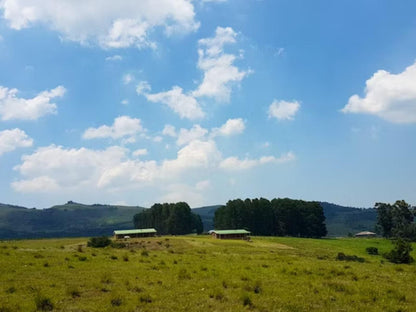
(198, 273)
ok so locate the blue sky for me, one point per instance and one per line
(138, 102)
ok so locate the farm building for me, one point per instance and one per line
(134, 233)
(230, 234)
(365, 234)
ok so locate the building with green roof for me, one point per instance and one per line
(230, 234)
(119, 234)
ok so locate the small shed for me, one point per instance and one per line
(230, 234)
(120, 234)
(366, 234)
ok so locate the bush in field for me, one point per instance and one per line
(400, 253)
(116, 301)
(372, 250)
(118, 245)
(43, 303)
(343, 257)
(99, 242)
(246, 300)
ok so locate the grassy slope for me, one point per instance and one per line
(192, 273)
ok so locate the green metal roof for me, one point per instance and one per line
(231, 232)
(135, 231)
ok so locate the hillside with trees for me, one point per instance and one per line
(343, 221)
(173, 218)
(75, 219)
(70, 219)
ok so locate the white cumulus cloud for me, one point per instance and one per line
(114, 58)
(127, 78)
(186, 106)
(197, 154)
(282, 110)
(109, 24)
(13, 107)
(178, 191)
(234, 163)
(140, 152)
(219, 71)
(169, 130)
(231, 127)
(123, 126)
(12, 139)
(389, 96)
(58, 168)
(195, 133)
(220, 74)
(143, 87)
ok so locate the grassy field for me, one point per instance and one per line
(197, 273)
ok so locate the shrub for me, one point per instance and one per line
(11, 290)
(343, 257)
(74, 292)
(217, 295)
(372, 250)
(400, 253)
(146, 299)
(246, 300)
(5, 309)
(43, 303)
(183, 274)
(116, 301)
(118, 245)
(99, 242)
(106, 278)
(257, 288)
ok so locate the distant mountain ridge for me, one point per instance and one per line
(70, 219)
(75, 219)
(341, 220)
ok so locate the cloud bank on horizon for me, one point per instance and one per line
(166, 100)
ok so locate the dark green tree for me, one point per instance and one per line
(278, 217)
(401, 252)
(172, 218)
(396, 220)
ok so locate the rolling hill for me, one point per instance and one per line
(70, 219)
(75, 219)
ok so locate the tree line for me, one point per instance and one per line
(169, 218)
(396, 220)
(278, 217)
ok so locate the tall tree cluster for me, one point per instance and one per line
(396, 220)
(276, 217)
(169, 218)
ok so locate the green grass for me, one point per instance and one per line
(198, 273)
